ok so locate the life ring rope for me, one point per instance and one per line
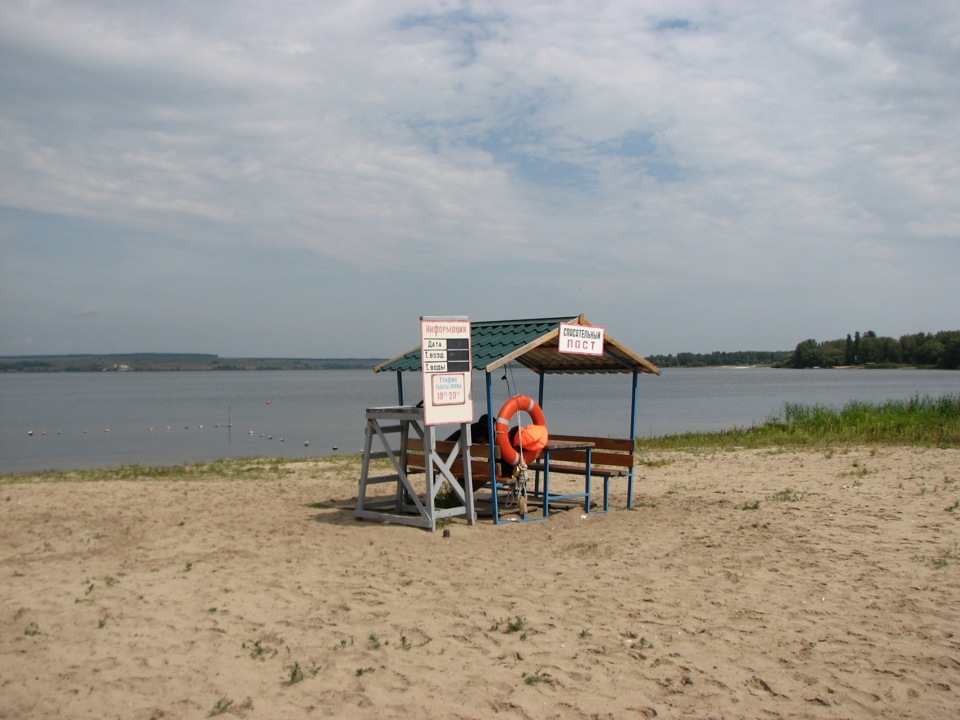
(508, 452)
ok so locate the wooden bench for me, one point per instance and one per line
(609, 458)
(480, 471)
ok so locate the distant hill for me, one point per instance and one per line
(167, 362)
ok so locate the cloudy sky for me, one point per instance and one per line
(306, 179)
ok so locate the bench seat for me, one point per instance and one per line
(572, 468)
(609, 458)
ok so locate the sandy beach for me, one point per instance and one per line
(749, 584)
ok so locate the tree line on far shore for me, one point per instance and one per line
(169, 362)
(718, 359)
(933, 350)
(928, 350)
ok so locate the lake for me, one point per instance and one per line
(69, 421)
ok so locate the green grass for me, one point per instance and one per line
(788, 495)
(254, 469)
(920, 421)
(538, 677)
(517, 624)
(220, 706)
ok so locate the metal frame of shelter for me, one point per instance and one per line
(531, 343)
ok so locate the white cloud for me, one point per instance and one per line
(678, 150)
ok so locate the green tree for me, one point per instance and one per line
(909, 345)
(807, 354)
(869, 348)
(889, 350)
(951, 353)
(931, 352)
(831, 354)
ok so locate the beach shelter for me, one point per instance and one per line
(535, 344)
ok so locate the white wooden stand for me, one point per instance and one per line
(407, 506)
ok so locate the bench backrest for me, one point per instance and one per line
(615, 452)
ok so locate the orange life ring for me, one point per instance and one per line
(509, 453)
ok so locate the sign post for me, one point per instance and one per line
(447, 365)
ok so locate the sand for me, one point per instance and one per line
(749, 584)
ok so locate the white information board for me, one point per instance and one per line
(447, 362)
(581, 339)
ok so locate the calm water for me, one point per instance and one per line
(88, 420)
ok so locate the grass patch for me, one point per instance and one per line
(224, 705)
(513, 625)
(447, 498)
(787, 495)
(943, 558)
(654, 463)
(920, 421)
(538, 677)
(254, 469)
(298, 675)
(516, 624)
(220, 706)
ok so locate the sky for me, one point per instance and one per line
(308, 179)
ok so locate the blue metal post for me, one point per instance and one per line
(493, 458)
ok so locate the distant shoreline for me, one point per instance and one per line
(172, 362)
(195, 362)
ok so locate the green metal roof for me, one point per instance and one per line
(533, 344)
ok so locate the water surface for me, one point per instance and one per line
(88, 420)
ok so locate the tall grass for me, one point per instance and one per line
(920, 421)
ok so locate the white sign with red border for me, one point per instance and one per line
(580, 339)
(447, 362)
